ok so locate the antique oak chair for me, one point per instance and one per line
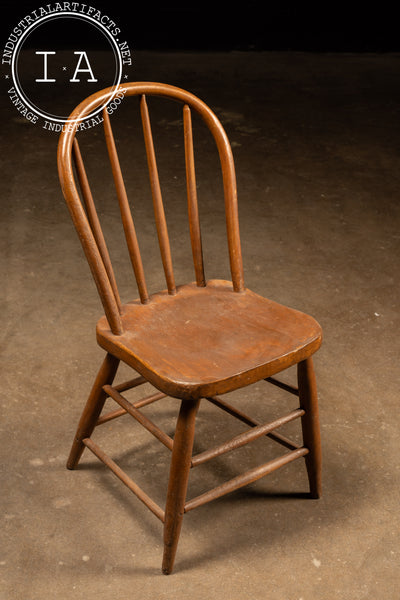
(192, 342)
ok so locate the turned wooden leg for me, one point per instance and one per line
(178, 480)
(310, 424)
(93, 408)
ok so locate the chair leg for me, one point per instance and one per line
(93, 408)
(178, 480)
(310, 424)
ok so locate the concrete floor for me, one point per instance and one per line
(316, 144)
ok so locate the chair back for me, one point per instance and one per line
(83, 211)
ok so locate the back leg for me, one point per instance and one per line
(310, 424)
(93, 408)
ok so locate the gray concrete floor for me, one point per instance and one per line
(316, 144)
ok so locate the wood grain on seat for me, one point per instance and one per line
(208, 340)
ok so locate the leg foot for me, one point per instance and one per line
(310, 425)
(178, 481)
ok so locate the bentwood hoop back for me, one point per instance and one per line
(194, 342)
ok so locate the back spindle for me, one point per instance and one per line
(94, 219)
(193, 209)
(161, 224)
(127, 220)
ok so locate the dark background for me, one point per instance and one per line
(244, 26)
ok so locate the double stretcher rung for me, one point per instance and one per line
(238, 414)
(256, 431)
(245, 479)
(246, 437)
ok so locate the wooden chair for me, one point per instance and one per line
(192, 342)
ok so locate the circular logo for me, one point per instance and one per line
(55, 58)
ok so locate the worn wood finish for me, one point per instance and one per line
(210, 340)
(193, 341)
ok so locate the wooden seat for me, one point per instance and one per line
(193, 342)
(208, 340)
